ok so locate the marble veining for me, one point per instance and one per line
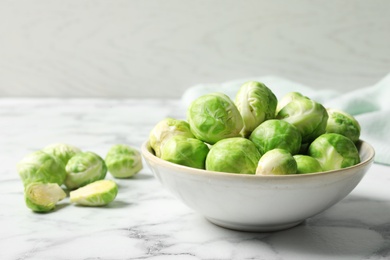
(147, 222)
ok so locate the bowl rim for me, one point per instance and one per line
(146, 151)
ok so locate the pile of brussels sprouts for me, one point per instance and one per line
(258, 134)
(83, 174)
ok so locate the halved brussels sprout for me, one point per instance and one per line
(165, 129)
(213, 117)
(307, 115)
(123, 161)
(40, 166)
(256, 103)
(98, 193)
(334, 151)
(340, 122)
(277, 162)
(307, 164)
(43, 197)
(84, 168)
(190, 152)
(276, 133)
(63, 151)
(233, 155)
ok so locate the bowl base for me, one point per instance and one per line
(253, 227)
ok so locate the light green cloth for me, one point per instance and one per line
(370, 105)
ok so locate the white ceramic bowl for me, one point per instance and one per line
(253, 202)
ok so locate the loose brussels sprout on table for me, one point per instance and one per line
(42, 167)
(234, 155)
(165, 129)
(185, 151)
(340, 122)
(84, 168)
(43, 197)
(213, 117)
(98, 193)
(256, 103)
(276, 162)
(44, 171)
(63, 151)
(123, 161)
(275, 133)
(334, 151)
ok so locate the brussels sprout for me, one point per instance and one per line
(41, 167)
(98, 193)
(63, 151)
(123, 161)
(190, 152)
(84, 168)
(165, 129)
(334, 151)
(234, 155)
(307, 164)
(213, 117)
(275, 133)
(277, 162)
(287, 99)
(340, 122)
(43, 197)
(307, 115)
(256, 103)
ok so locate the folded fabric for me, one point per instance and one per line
(370, 105)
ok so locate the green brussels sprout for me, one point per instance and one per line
(98, 193)
(165, 129)
(287, 99)
(213, 117)
(233, 155)
(186, 151)
(307, 164)
(63, 151)
(84, 168)
(123, 161)
(340, 122)
(256, 103)
(43, 197)
(307, 115)
(277, 162)
(41, 167)
(276, 133)
(334, 151)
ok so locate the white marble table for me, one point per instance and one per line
(147, 222)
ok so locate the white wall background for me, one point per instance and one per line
(156, 48)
